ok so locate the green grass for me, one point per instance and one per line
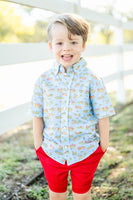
(113, 179)
(38, 194)
(114, 176)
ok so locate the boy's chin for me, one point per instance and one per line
(66, 65)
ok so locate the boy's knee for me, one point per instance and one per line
(85, 196)
(57, 196)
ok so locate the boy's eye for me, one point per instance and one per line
(74, 42)
(59, 43)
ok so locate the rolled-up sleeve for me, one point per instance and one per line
(100, 100)
(37, 108)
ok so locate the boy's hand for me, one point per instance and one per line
(37, 145)
(104, 133)
(104, 147)
(38, 125)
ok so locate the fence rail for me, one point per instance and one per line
(20, 53)
(13, 117)
(59, 6)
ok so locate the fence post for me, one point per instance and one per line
(119, 40)
(76, 6)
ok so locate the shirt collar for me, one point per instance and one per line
(77, 67)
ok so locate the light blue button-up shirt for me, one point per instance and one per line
(71, 104)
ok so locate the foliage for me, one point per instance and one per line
(12, 30)
(128, 36)
(38, 194)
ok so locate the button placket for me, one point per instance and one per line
(64, 116)
(64, 122)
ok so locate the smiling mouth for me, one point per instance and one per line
(66, 57)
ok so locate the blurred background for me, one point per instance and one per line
(24, 55)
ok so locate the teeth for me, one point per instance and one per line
(67, 57)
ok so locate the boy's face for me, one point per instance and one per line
(66, 51)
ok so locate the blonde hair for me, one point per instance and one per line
(75, 24)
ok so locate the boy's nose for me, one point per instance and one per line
(66, 46)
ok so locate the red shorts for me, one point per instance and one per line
(82, 172)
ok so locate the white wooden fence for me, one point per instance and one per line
(19, 53)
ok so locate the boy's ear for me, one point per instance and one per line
(50, 46)
(84, 47)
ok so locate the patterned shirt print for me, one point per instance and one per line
(70, 104)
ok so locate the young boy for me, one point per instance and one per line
(71, 110)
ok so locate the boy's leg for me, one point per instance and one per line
(85, 196)
(57, 196)
(82, 174)
(56, 175)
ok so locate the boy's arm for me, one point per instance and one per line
(104, 132)
(38, 125)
